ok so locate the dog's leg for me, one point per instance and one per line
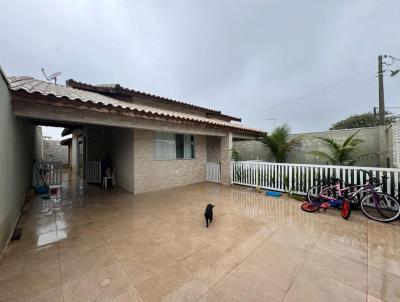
(206, 219)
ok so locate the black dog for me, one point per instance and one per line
(209, 213)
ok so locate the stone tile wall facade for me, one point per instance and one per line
(151, 174)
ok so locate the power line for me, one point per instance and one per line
(324, 89)
(321, 91)
(343, 81)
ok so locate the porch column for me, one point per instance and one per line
(226, 150)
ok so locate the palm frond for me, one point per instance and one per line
(331, 143)
(341, 154)
(278, 144)
(354, 142)
(350, 138)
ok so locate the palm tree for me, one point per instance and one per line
(344, 154)
(278, 143)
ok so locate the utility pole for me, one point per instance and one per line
(381, 93)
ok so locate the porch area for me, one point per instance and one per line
(90, 244)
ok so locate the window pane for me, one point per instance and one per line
(179, 139)
(164, 145)
(173, 146)
(192, 144)
(188, 152)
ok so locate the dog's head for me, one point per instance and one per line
(210, 205)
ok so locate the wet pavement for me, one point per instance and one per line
(91, 244)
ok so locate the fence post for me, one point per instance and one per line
(232, 171)
(257, 176)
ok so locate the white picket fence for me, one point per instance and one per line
(47, 172)
(298, 178)
(214, 171)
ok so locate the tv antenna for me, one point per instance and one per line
(52, 77)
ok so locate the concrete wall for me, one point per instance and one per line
(251, 150)
(151, 174)
(54, 151)
(17, 149)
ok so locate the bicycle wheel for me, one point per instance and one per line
(346, 209)
(314, 193)
(380, 207)
(310, 207)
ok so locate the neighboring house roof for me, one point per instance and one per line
(32, 86)
(118, 90)
(66, 142)
(67, 131)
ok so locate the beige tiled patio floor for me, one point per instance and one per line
(95, 245)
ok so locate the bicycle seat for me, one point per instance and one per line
(334, 179)
(350, 185)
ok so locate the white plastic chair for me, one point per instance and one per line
(106, 178)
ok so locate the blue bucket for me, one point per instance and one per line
(273, 193)
(42, 189)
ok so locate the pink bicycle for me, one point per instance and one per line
(374, 204)
(328, 194)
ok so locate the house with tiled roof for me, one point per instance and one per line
(153, 142)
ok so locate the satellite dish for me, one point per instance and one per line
(52, 77)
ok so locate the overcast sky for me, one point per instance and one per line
(251, 59)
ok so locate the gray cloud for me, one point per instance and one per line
(241, 57)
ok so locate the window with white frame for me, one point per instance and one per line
(173, 146)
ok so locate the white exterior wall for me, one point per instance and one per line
(395, 142)
(122, 157)
(74, 151)
(17, 148)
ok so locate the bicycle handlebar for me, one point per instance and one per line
(369, 173)
(366, 172)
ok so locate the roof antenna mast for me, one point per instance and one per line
(52, 77)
